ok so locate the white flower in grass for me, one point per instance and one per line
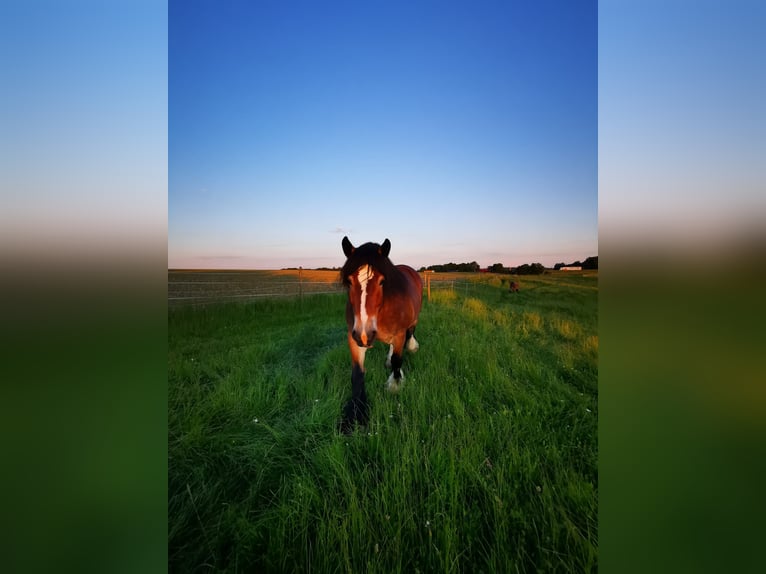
(255, 420)
(428, 524)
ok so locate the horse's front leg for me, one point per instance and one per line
(409, 341)
(394, 361)
(357, 409)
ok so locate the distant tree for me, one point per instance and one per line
(530, 269)
(471, 267)
(559, 266)
(590, 263)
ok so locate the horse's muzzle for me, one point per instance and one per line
(364, 339)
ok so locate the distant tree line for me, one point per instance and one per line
(525, 269)
(471, 267)
(589, 263)
(529, 269)
(498, 268)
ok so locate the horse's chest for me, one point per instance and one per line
(385, 336)
(392, 322)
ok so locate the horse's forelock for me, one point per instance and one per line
(367, 254)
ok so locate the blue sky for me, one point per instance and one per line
(83, 127)
(682, 121)
(228, 138)
(460, 131)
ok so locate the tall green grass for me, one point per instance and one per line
(486, 461)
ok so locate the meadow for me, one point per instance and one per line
(486, 460)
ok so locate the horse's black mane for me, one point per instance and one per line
(369, 254)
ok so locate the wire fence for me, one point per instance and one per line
(206, 287)
(199, 288)
(463, 287)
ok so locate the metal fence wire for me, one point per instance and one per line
(203, 287)
(215, 287)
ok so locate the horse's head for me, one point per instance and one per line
(364, 275)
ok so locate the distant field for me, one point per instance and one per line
(486, 461)
(198, 287)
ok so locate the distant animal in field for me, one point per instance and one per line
(514, 288)
(383, 305)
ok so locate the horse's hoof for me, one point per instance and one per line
(393, 385)
(346, 426)
(355, 412)
(412, 345)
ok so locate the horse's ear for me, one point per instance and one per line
(348, 249)
(385, 249)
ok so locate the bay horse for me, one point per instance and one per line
(383, 305)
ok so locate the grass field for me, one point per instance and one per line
(486, 461)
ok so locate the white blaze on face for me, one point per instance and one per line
(363, 276)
